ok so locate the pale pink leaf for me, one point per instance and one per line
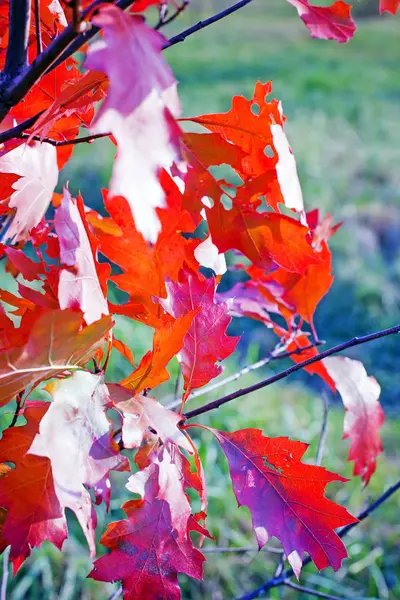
(37, 166)
(139, 111)
(364, 414)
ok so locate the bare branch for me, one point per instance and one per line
(276, 581)
(181, 37)
(18, 130)
(310, 591)
(39, 45)
(297, 367)
(18, 37)
(165, 19)
(278, 352)
(88, 139)
(322, 436)
(240, 550)
(12, 93)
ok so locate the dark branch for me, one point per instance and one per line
(17, 49)
(17, 409)
(276, 353)
(11, 94)
(310, 591)
(39, 45)
(165, 19)
(276, 581)
(297, 367)
(181, 37)
(18, 130)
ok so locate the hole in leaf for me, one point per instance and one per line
(255, 109)
(268, 151)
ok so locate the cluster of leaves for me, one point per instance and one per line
(170, 222)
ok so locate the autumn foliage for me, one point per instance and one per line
(57, 331)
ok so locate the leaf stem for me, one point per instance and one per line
(356, 341)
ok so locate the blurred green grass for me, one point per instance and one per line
(342, 104)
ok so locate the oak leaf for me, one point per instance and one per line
(167, 342)
(56, 343)
(285, 496)
(206, 342)
(34, 513)
(326, 22)
(146, 552)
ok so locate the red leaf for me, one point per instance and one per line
(251, 139)
(79, 285)
(146, 552)
(391, 6)
(285, 496)
(167, 342)
(327, 22)
(364, 414)
(140, 108)
(206, 342)
(27, 491)
(55, 344)
(145, 268)
(262, 237)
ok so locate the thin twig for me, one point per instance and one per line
(39, 45)
(165, 19)
(240, 550)
(277, 581)
(310, 591)
(322, 436)
(4, 578)
(76, 15)
(181, 37)
(297, 367)
(17, 409)
(116, 594)
(278, 353)
(88, 139)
